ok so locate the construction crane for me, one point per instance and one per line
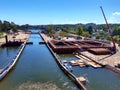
(109, 30)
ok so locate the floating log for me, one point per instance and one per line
(29, 43)
(42, 42)
(34, 32)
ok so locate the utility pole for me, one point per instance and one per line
(109, 30)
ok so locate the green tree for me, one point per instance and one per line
(14, 26)
(79, 30)
(97, 36)
(50, 30)
(6, 26)
(63, 34)
(117, 38)
(86, 34)
(116, 31)
(108, 38)
(0, 26)
(65, 28)
(90, 29)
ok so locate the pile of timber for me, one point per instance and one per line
(78, 63)
(89, 62)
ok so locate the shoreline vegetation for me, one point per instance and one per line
(91, 30)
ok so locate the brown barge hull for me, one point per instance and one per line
(64, 47)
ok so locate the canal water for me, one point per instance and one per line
(6, 55)
(37, 69)
(97, 78)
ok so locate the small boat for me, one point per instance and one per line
(68, 67)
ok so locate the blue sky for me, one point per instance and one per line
(59, 11)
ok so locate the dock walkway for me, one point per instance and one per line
(108, 61)
(88, 61)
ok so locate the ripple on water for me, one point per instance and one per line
(38, 86)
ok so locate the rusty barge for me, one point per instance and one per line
(67, 47)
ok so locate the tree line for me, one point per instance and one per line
(89, 30)
(100, 31)
(6, 25)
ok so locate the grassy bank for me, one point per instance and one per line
(2, 34)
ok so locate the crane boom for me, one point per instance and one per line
(109, 30)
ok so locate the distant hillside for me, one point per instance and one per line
(72, 26)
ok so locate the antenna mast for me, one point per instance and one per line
(109, 30)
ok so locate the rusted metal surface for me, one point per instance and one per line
(60, 46)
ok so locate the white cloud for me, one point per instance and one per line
(116, 13)
(114, 17)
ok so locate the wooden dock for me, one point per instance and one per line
(29, 42)
(88, 61)
(42, 42)
(78, 63)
